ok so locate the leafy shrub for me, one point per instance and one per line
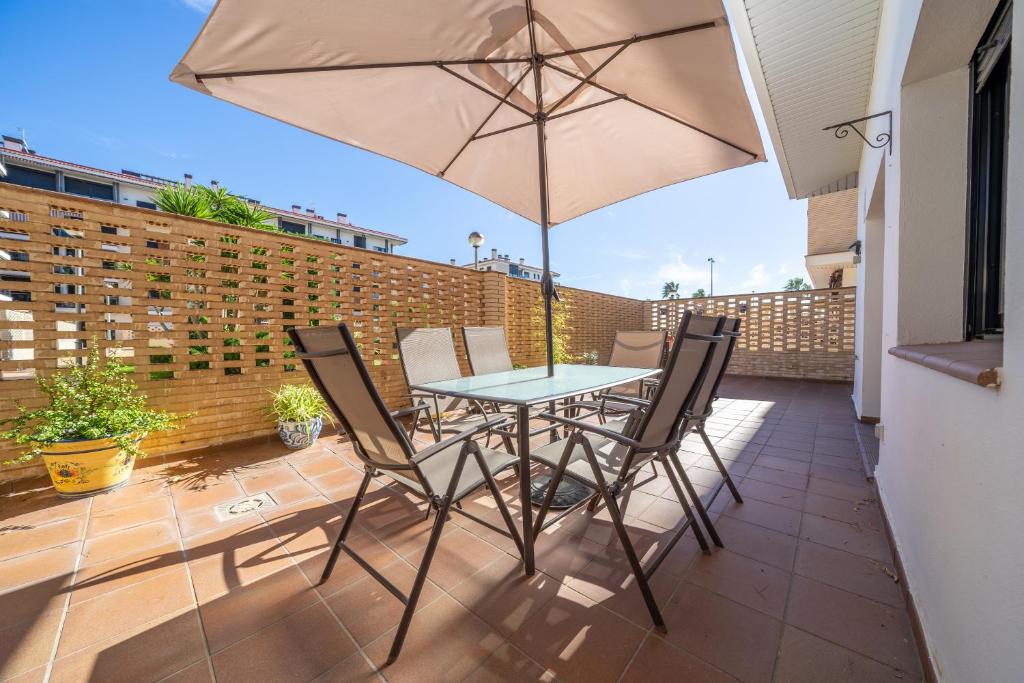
(299, 403)
(92, 401)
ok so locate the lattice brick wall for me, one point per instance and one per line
(808, 334)
(201, 309)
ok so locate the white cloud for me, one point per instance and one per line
(678, 270)
(203, 6)
(624, 284)
(757, 280)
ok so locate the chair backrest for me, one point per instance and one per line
(638, 349)
(680, 383)
(428, 354)
(332, 360)
(487, 349)
(719, 361)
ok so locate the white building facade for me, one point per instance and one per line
(502, 263)
(939, 182)
(25, 167)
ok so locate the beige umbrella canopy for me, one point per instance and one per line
(550, 108)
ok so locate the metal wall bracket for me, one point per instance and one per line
(841, 130)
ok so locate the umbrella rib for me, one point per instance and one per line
(635, 39)
(651, 109)
(559, 115)
(504, 100)
(482, 89)
(591, 75)
(356, 67)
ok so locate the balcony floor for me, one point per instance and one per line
(145, 584)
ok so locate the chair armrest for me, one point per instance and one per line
(402, 412)
(592, 428)
(632, 400)
(464, 435)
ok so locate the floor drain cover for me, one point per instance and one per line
(259, 501)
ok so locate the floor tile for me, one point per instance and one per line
(504, 596)
(298, 648)
(744, 580)
(757, 542)
(27, 643)
(352, 669)
(754, 511)
(103, 577)
(659, 661)
(113, 612)
(741, 641)
(127, 541)
(508, 663)
(445, 643)
(878, 631)
(860, 575)
(863, 513)
(805, 658)
(146, 653)
(16, 540)
(130, 515)
(772, 493)
(578, 640)
(247, 609)
(852, 538)
(368, 609)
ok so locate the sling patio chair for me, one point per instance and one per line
(609, 461)
(487, 350)
(630, 349)
(428, 355)
(695, 418)
(443, 474)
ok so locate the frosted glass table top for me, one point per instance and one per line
(530, 386)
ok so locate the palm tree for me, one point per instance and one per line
(700, 294)
(670, 290)
(795, 284)
(184, 201)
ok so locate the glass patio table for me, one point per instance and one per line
(530, 387)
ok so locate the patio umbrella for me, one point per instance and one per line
(549, 108)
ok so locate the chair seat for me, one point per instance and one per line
(438, 470)
(609, 458)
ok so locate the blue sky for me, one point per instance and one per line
(87, 80)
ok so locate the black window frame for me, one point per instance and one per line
(82, 187)
(985, 266)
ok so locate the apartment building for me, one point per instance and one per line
(24, 166)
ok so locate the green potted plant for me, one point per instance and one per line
(300, 410)
(90, 429)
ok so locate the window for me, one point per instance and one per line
(87, 188)
(293, 228)
(145, 205)
(30, 177)
(359, 241)
(990, 70)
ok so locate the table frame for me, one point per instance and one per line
(523, 437)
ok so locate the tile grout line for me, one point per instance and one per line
(195, 595)
(67, 599)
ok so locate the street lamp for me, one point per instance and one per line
(711, 291)
(475, 240)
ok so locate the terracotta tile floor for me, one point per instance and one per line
(146, 584)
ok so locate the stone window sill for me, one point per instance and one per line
(977, 362)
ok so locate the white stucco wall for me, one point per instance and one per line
(952, 455)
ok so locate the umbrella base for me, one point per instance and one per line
(568, 494)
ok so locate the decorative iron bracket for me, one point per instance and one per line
(841, 130)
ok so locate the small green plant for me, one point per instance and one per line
(96, 400)
(299, 403)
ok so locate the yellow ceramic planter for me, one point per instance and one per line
(80, 468)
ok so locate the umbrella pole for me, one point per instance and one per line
(540, 118)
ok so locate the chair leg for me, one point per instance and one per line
(686, 508)
(345, 528)
(556, 479)
(627, 545)
(695, 500)
(718, 461)
(421, 577)
(500, 502)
